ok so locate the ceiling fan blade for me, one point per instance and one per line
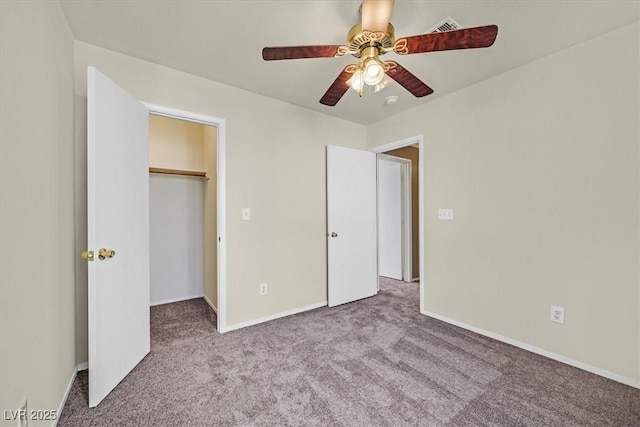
(376, 14)
(407, 80)
(338, 88)
(467, 38)
(298, 52)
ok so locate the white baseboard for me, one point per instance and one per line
(213, 307)
(563, 359)
(66, 394)
(184, 298)
(274, 316)
(83, 366)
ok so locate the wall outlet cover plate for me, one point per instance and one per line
(445, 214)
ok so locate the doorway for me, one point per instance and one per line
(394, 217)
(352, 222)
(207, 175)
(412, 149)
(182, 210)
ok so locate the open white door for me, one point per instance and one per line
(390, 227)
(118, 220)
(351, 225)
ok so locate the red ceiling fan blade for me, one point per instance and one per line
(468, 38)
(376, 14)
(407, 80)
(338, 88)
(298, 52)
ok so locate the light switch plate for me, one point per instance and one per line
(445, 214)
(246, 214)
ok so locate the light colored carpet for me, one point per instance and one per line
(375, 362)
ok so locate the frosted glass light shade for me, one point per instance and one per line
(356, 81)
(373, 72)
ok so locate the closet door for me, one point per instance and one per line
(118, 233)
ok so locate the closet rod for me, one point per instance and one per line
(196, 174)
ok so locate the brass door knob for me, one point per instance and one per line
(88, 255)
(334, 234)
(106, 253)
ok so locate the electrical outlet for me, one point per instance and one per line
(263, 288)
(445, 214)
(557, 314)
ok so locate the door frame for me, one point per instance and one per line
(221, 267)
(405, 200)
(413, 140)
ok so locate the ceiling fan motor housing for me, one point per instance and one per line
(357, 40)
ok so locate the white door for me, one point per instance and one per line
(118, 220)
(390, 219)
(351, 225)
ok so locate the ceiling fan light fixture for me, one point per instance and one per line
(356, 81)
(373, 72)
(383, 83)
(375, 36)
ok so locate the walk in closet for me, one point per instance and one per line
(182, 210)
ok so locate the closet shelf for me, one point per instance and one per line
(195, 174)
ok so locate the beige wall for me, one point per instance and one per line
(175, 144)
(412, 153)
(279, 174)
(37, 326)
(541, 165)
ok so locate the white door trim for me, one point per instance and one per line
(419, 140)
(221, 268)
(405, 167)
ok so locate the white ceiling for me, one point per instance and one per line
(223, 40)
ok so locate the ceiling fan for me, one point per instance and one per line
(374, 37)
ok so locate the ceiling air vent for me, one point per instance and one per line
(446, 25)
